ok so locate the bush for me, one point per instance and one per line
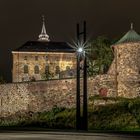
(124, 114)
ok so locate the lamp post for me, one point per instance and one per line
(85, 106)
(81, 121)
(78, 110)
(85, 116)
(80, 53)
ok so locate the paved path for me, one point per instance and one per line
(63, 136)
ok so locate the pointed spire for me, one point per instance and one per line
(43, 36)
(131, 26)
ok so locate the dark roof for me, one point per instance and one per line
(38, 46)
(130, 36)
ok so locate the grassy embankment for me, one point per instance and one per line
(123, 115)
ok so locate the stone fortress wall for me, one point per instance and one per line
(34, 96)
(126, 69)
(122, 80)
(44, 95)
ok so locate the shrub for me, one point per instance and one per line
(123, 114)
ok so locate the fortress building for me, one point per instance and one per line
(126, 65)
(43, 59)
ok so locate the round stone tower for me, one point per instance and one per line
(127, 64)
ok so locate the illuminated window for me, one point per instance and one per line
(36, 69)
(26, 70)
(36, 58)
(57, 70)
(25, 57)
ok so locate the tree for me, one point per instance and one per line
(100, 56)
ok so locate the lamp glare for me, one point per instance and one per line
(80, 50)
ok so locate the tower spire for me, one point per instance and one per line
(131, 26)
(43, 36)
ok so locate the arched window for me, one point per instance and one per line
(47, 69)
(26, 70)
(57, 70)
(36, 69)
(67, 68)
(69, 71)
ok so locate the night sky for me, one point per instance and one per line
(20, 21)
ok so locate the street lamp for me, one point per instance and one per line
(82, 122)
(80, 50)
(80, 53)
(80, 47)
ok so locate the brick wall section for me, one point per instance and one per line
(44, 95)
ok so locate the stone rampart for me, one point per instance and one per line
(44, 95)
